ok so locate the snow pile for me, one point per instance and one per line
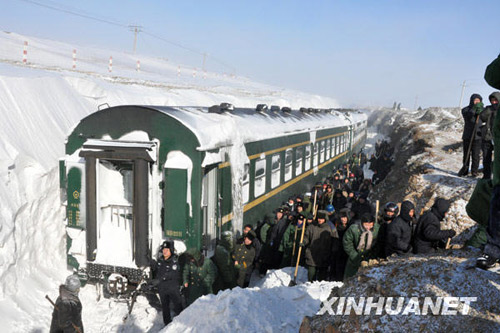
(282, 277)
(275, 308)
(448, 274)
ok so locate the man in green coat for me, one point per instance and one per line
(198, 275)
(318, 239)
(226, 278)
(244, 255)
(290, 242)
(491, 255)
(360, 243)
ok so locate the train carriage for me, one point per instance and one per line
(136, 175)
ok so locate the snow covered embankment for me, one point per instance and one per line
(429, 156)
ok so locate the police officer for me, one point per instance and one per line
(168, 273)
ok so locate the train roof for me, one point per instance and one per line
(223, 125)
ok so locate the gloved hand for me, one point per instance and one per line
(478, 108)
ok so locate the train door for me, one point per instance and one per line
(210, 204)
(117, 177)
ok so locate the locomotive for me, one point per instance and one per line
(134, 176)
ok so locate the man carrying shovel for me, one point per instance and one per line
(472, 135)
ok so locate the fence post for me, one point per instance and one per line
(25, 53)
(74, 59)
(138, 67)
(110, 66)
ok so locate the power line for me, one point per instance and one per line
(136, 29)
(67, 11)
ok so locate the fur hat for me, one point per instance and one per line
(251, 235)
(72, 283)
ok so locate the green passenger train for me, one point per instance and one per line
(134, 176)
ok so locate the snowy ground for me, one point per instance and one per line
(40, 102)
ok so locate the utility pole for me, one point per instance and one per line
(204, 61)
(135, 29)
(462, 95)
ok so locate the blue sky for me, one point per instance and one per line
(363, 53)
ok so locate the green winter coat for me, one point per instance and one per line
(225, 266)
(244, 255)
(199, 273)
(351, 242)
(286, 245)
(318, 240)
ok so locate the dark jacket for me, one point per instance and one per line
(244, 255)
(487, 118)
(167, 272)
(226, 277)
(359, 208)
(318, 243)
(68, 313)
(470, 119)
(399, 231)
(200, 274)
(429, 233)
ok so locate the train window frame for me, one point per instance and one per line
(275, 170)
(245, 187)
(315, 154)
(322, 151)
(288, 175)
(307, 157)
(299, 160)
(327, 149)
(260, 177)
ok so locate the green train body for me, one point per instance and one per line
(134, 176)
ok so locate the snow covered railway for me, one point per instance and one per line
(134, 176)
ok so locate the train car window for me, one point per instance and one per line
(308, 157)
(288, 164)
(327, 149)
(341, 144)
(346, 140)
(246, 183)
(322, 151)
(275, 170)
(299, 155)
(315, 154)
(260, 177)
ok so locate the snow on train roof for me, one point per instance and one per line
(216, 130)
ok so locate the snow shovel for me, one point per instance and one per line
(294, 241)
(294, 281)
(465, 168)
